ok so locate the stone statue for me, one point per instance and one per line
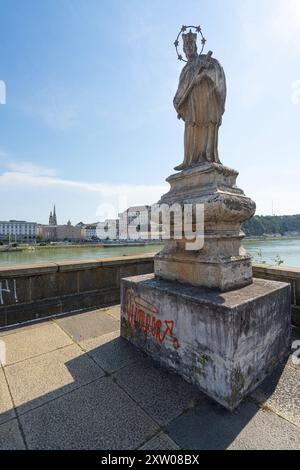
(200, 102)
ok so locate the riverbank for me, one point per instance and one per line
(73, 253)
(274, 251)
(255, 239)
(25, 246)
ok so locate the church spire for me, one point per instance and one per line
(54, 219)
(50, 218)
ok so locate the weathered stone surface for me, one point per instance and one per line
(111, 352)
(210, 427)
(281, 392)
(6, 407)
(19, 328)
(33, 342)
(58, 373)
(3, 322)
(222, 262)
(96, 416)
(283, 274)
(22, 313)
(23, 310)
(161, 394)
(200, 102)
(83, 327)
(38, 291)
(160, 442)
(224, 343)
(115, 310)
(11, 437)
(84, 418)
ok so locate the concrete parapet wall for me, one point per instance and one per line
(38, 291)
(31, 292)
(283, 274)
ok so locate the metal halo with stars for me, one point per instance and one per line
(183, 29)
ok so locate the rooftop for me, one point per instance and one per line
(73, 383)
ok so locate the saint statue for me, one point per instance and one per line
(200, 102)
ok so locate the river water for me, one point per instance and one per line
(267, 251)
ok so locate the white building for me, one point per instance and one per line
(90, 231)
(135, 224)
(108, 230)
(18, 229)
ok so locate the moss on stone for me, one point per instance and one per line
(126, 328)
(237, 383)
(203, 359)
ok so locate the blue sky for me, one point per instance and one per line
(89, 122)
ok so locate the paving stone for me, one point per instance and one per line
(162, 394)
(10, 436)
(210, 427)
(43, 378)
(281, 393)
(18, 329)
(294, 359)
(96, 416)
(111, 351)
(100, 415)
(6, 407)
(32, 342)
(114, 311)
(88, 325)
(160, 442)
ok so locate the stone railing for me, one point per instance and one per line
(283, 274)
(39, 291)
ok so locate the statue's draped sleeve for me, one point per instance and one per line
(205, 102)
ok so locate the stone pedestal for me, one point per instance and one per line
(222, 263)
(225, 343)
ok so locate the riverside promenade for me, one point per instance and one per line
(71, 382)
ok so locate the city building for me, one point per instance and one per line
(108, 230)
(18, 230)
(60, 233)
(90, 231)
(135, 223)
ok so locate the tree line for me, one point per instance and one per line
(271, 224)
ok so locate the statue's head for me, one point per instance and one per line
(190, 45)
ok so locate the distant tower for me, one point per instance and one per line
(54, 219)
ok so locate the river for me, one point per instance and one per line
(288, 250)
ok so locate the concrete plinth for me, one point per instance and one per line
(225, 343)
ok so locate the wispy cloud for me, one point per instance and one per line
(28, 175)
(32, 169)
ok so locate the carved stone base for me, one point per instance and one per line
(222, 263)
(224, 275)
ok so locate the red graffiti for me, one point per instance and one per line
(143, 314)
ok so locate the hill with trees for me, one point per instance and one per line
(260, 225)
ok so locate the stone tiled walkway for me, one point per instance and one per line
(73, 383)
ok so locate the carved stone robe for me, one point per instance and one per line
(201, 107)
